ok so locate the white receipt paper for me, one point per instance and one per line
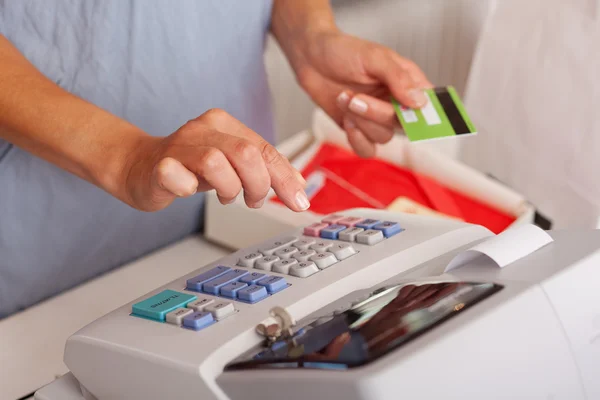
(506, 247)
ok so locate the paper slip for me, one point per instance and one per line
(505, 248)
(408, 206)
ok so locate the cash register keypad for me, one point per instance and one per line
(253, 279)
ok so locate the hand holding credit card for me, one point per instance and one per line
(444, 116)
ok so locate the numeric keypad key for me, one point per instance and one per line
(249, 259)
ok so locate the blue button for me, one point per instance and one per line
(252, 294)
(253, 277)
(331, 232)
(196, 282)
(198, 320)
(273, 283)
(215, 285)
(157, 306)
(367, 223)
(388, 228)
(231, 289)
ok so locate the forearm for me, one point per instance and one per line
(41, 118)
(293, 23)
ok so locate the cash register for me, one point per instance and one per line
(365, 304)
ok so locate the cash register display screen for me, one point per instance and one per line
(370, 329)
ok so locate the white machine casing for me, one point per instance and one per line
(537, 338)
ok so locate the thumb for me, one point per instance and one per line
(170, 179)
(403, 79)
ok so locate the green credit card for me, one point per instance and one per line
(444, 116)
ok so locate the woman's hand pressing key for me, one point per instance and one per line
(213, 151)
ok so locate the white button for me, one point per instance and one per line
(277, 244)
(349, 235)
(286, 253)
(283, 266)
(342, 251)
(321, 246)
(304, 243)
(200, 304)
(370, 236)
(323, 260)
(304, 255)
(176, 316)
(249, 259)
(221, 309)
(266, 263)
(304, 269)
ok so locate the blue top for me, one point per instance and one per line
(156, 64)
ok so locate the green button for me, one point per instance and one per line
(157, 306)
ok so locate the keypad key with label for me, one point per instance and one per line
(215, 285)
(252, 293)
(321, 246)
(157, 306)
(200, 304)
(196, 282)
(252, 278)
(221, 309)
(230, 290)
(367, 223)
(283, 266)
(324, 260)
(315, 229)
(341, 251)
(304, 255)
(272, 247)
(198, 320)
(286, 253)
(304, 243)
(332, 219)
(249, 259)
(304, 269)
(370, 237)
(176, 316)
(349, 235)
(388, 228)
(266, 263)
(350, 221)
(332, 231)
(273, 284)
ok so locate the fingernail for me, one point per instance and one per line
(358, 106)
(418, 97)
(258, 204)
(342, 99)
(226, 202)
(302, 201)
